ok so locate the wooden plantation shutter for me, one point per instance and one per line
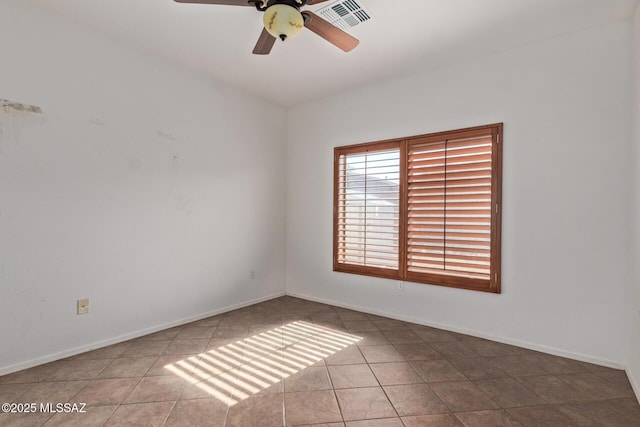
(450, 208)
(368, 210)
(423, 209)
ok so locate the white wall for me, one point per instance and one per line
(148, 189)
(633, 358)
(565, 105)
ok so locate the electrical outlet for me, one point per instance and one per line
(253, 274)
(400, 285)
(83, 306)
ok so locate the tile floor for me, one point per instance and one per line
(294, 362)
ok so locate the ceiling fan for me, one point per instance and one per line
(283, 19)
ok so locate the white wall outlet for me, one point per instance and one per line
(253, 274)
(400, 285)
(83, 306)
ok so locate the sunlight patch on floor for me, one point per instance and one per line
(236, 371)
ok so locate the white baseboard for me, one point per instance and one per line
(635, 385)
(4, 370)
(524, 344)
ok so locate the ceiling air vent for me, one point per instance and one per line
(345, 14)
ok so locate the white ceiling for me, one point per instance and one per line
(404, 35)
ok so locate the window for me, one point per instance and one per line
(424, 209)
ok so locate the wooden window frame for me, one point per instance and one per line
(493, 283)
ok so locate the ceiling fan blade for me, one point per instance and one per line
(265, 43)
(330, 33)
(227, 2)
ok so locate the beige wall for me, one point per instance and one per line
(633, 358)
(565, 105)
(140, 186)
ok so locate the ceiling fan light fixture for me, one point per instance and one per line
(283, 21)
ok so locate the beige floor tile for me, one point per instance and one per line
(381, 353)
(153, 414)
(541, 416)
(552, 389)
(364, 404)
(309, 379)
(322, 366)
(95, 416)
(432, 335)
(594, 387)
(196, 332)
(24, 419)
(128, 367)
(352, 376)
(437, 420)
(360, 326)
(12, 392)
(463, 396)
(54, 392)
(415, 399)
(311, 407)
(187, 347)
(371, 338)
(79, 370)
(402, 336)
(477, 368)
(493, 418)
(384, 422)
(508, 392)
(109, 352)
(347, 356)
(390, 325)
(487, 348)
(32, 375)
(106, 391)
(141, 348)
(437, 371)
(518, 366)
(156, 389)
(394, 373)
(260, 409)
(454, 350)
(198, 413)
(418, 351)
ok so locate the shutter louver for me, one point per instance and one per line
(368, 206)
(449, 207)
